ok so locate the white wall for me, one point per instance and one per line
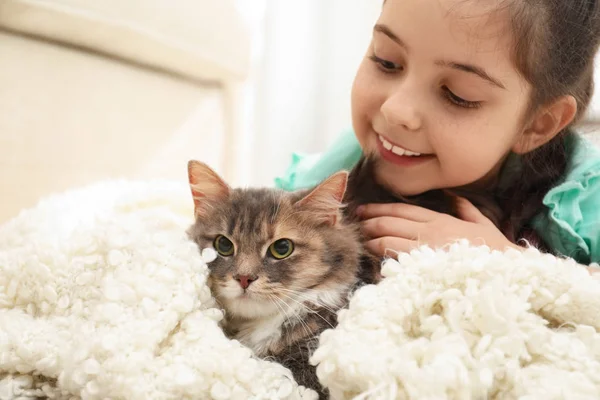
(310, 52)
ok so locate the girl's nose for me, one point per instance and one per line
(400, 109)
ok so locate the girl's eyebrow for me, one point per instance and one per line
(480, 72)
(387, 32)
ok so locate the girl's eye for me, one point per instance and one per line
(223, 246)
(281, 249)
(458, 101)
(385, 65)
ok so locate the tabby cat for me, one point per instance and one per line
(287, 262)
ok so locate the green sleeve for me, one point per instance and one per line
(571, 223)
(308, 170)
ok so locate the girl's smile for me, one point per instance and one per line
(401, 156)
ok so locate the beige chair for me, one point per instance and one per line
(102, 89)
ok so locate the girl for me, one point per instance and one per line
(480, 94)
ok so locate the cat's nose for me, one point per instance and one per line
(245, 280)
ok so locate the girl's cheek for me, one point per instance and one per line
(362, 98)
(359, 87)
(367, 100)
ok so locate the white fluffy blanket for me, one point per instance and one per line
(102, 296)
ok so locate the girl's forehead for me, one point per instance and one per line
(471, 26)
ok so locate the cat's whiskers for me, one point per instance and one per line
(307, 309)
(321, 298)
(314, 296)
(299, 318)
(311, 300)
(277, 303)
(294, 316)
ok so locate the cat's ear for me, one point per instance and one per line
(325, 201)
(207, 187)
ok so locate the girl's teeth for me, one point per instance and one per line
(387, 145)
(397, 150)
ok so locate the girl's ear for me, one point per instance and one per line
(546, 124)
(207, 187)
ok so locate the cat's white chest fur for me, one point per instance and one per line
(263, 329)
(260, 334)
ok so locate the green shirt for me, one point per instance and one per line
(570, 222)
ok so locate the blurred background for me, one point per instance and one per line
(93, 90)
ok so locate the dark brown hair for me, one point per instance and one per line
(555, 42)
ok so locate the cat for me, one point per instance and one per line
(287, 262)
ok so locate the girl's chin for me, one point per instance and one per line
(388, 178)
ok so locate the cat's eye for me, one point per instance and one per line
(281, 249)
(223, 246)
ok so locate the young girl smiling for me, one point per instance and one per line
(478, 94)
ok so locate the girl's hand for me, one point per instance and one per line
(403, 227)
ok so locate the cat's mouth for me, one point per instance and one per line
(233, 291)
(247, 303)
(246, 294)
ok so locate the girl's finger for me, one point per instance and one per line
(390, 246)
(400, 210)
(390, 226)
